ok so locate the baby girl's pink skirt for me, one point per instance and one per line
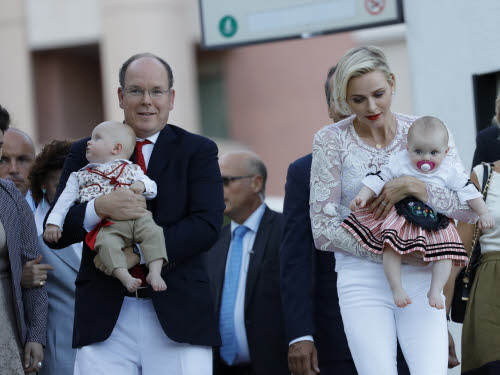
(405, 237)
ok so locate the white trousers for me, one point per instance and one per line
(372, 321)
(138, 346)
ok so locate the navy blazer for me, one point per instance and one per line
(263, 317)
(30, 305)
(487, 145)
(308, 277)
(189, 207)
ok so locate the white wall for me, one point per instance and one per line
(62, 23)
(448, 42)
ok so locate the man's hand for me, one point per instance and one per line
(52, 233)
(132, 260)
(33, 355)
(121, 204)
(34, 274)
(452, 355)
(303, 358)
(138, 187)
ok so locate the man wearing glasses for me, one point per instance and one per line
(244, 269)
(147, 332)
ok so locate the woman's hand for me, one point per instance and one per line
(34, 274)
(396, 190)
(33, 356)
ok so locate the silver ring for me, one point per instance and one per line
(385, 204)
(39, 364)
(42, 283)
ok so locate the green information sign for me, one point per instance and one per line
(228, 26)
(227, 23)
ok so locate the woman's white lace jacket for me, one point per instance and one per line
(340, 161)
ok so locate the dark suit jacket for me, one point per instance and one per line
(307, 272)
(263, 321)
(30, 305)
(189, 207)
(487, 146)
(310, 301)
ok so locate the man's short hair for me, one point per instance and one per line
(257, 167)
(123, 69)
(328, 91)
(4, 119)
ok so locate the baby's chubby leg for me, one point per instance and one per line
(131, 283)
(440, 273)
(392, 269)
(154, 276)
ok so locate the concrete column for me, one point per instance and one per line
(163, 27)
(16, 93)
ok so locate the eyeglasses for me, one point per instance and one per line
(226, 180)
(139, 92)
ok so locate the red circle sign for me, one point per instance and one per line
(374, 7)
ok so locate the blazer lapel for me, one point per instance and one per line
(259, 250)
(163, 152)
(67, 255)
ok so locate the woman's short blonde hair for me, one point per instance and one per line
(355, 63)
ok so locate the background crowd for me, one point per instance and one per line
(259, 295)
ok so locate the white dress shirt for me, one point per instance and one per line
(30, 200)
(253, 222)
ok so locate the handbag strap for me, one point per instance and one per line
(488, 172)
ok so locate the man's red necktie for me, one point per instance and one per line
(137, 271)
(139, 156)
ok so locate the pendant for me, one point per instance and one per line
(378, 146)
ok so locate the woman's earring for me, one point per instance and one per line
(393, 93)
(44, 192)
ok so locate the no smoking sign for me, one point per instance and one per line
(374, 7)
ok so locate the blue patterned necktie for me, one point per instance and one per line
(229, 347)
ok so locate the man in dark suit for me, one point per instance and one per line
(244, 269)
(149, 332)
(487, 145)
(309, 282)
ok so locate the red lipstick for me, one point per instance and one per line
(373, 118)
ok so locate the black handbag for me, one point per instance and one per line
(463, 282)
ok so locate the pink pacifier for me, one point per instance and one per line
(426, 165)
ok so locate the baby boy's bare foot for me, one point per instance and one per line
(156, 281)
(435, 300)
(132, 284)
(129, 282)
(401, 299)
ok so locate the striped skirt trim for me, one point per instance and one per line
(405, 237)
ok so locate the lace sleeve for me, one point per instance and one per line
(446, 201)
(326, 211)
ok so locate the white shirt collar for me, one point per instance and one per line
(253, 220)
(152, 139)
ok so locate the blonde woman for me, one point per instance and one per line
(343, 153)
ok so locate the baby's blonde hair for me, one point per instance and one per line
(428, 123)
(123, 134)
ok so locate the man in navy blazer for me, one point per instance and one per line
(309, 281)
(154, 332)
